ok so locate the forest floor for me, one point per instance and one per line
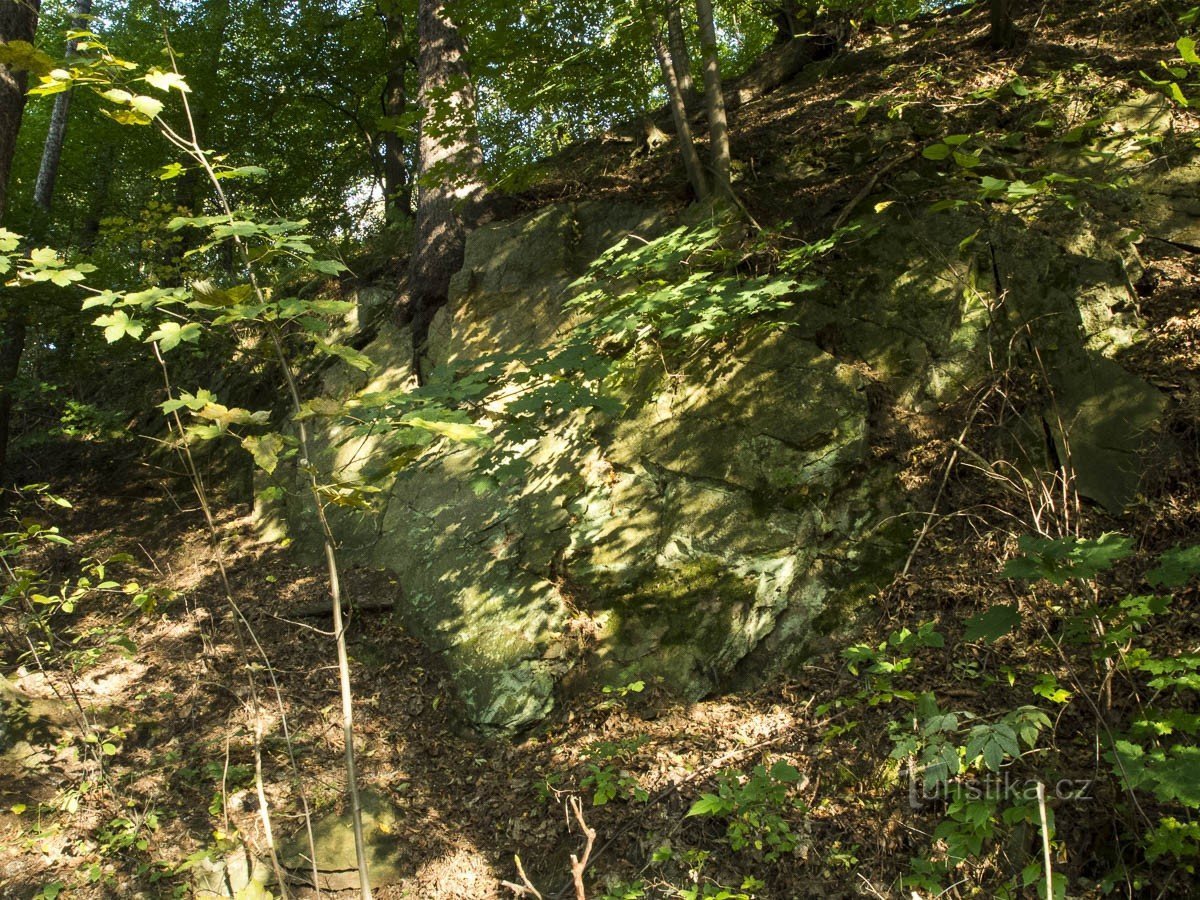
(185, 699)
(184, 751)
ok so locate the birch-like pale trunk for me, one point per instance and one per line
(43, 189)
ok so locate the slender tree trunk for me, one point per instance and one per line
(18, 22)
(675, 99)
(12, 346)
(397, 186)
(1002, 33)
(450, 164)
(681, 59)
(43, 191)
(714, 97)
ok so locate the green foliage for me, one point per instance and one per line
(605, 779)
(1181, 83)
(678, 289)
(753, 805)
(1061, 559)
(992, 625)
(1153, 756)
(49, 609)
(1057, 115)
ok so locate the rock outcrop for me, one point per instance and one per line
(737, 509)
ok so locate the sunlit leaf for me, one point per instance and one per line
(165, 81)
(118, 324)
(169, 335)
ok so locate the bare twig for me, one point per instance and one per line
(870, 186)
(526, 888)
(579, 864)
(1041, 798)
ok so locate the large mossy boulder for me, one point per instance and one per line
(735, 510)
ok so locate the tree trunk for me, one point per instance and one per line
(681, 59)
(397, 186)
(718, 126)
(18, 22)
(675, 99)
(43, 191)
(12, 345)
(1002, 33)
(450, 163)
(791, 20)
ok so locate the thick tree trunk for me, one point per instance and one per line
(397, 186)
(714, 99)
(18, 22)
(43, 190)
(450, 163)
(681, 59)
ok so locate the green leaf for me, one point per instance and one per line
(462, 432)
(104, 298)
(266, 450)
(170, 334)
(9, 240)
(1063, 558)
(242, 172)
(994, 743)
(1176, 567)
(147, 106)
(319, 407)
(993, 624)
(116, 95)
(171, 170)
(709, 805)
(349, 355)
(165, 81)
(936, 152)
(785, 773)
(117, 325)
(22, 56)
(236, 229)
(326, 266)
(194, 402)
(1187, 51)
(208, 294)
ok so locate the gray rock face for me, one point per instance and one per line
(731, 514)
(337, 859)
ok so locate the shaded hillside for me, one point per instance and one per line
(756, 612)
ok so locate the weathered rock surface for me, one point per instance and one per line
(337, 860)
(733, 513)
